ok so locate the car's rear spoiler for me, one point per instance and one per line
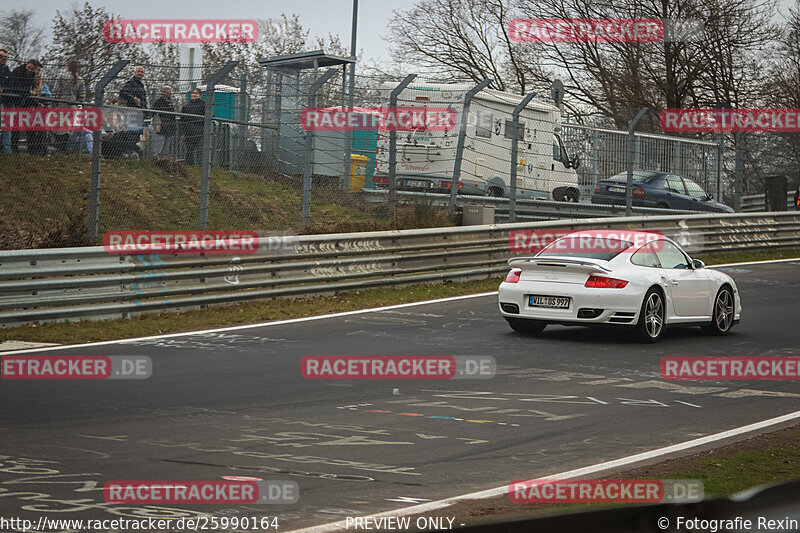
(522, 262)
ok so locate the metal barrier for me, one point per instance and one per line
(88, 283)
(526, 210)
(755, 202)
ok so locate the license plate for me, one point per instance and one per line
(617, 189)
(418, 183)
(557, 302)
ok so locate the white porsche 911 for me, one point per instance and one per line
(634, 278)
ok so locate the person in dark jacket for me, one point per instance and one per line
(163, 124)
(22, 87)
(192, 128)
(797, 198)
(133, 93)
(5, 84)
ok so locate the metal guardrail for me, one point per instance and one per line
(88, 283)
(755, 202)
(526, 210)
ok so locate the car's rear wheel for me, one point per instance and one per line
(651, 317)
(526, 326)
(722, 317)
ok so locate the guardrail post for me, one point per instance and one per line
(308, 159)
(207, 127)
(512, 204)
(629, 186)
(393, 145)
(737, 203)
(462, 135)
(97, 149)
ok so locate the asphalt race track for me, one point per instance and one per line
(234, 403)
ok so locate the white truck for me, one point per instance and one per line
(425, 158)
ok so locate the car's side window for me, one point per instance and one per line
(671, 257)
(674, 184)
(646, 257)
(694, 190)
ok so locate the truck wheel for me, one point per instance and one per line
(495, 192)
(572, 195)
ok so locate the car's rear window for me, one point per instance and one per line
(587, 247)
(639, 176)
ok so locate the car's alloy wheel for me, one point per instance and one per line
(521, 325)
(651, 318)
(722, 317)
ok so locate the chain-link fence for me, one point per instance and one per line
(162, 159)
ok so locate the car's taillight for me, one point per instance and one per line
(380, 179)
(446, 184)
(601, 282)
(513, 276)
(598, 188)
(638, 192)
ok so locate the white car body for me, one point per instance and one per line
(689, 293)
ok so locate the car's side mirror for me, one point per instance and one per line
(697, 264)
(576, 162)
(708, 197)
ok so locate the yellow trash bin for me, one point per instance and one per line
(358, 172)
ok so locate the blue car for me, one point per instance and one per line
(657, 189)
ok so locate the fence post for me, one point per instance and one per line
(97, 148)
(462, 135)
(308, 160)
(207, 130)
(629, 186)
(393, 145)
(720, 149)
(512, 203)
(737, 185)
(244, 112)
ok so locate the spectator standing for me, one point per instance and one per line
(192, 128)
(38, 139)
(163, 124)
(23, 81)
(134, 93)
(70, 87)
(5, 84)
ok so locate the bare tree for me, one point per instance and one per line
(618, 78)
(465, 39)
(19, 35)
(79, 35)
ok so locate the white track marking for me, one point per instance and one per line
(579, 472)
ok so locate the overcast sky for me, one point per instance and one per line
(319, 16)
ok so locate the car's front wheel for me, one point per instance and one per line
(722, 317)
(651, 317)
(526, 326)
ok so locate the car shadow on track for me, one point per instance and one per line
(609, 335)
